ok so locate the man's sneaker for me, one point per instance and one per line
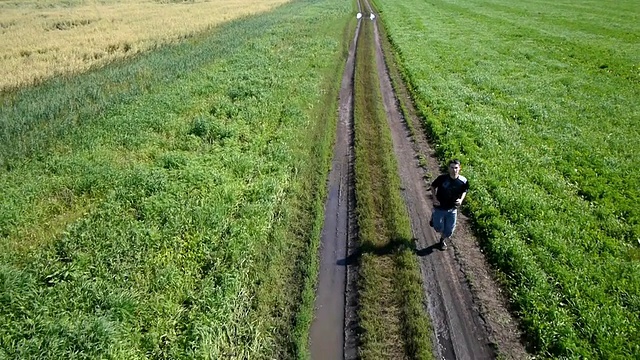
(443, 244)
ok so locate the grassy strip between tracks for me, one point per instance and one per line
(165, 206)
(543, 110)
(391, 311)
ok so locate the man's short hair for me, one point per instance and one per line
(454, 161)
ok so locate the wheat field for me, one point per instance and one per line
(41, 39)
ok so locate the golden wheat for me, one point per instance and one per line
(42, 39)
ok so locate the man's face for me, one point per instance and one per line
(454, 170)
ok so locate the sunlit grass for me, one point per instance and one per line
(42, 39)
(165, 206)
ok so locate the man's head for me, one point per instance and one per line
(454, 168)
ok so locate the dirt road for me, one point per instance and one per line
(460, 331)
(470, 319)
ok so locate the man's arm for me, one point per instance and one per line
(459, 201)
(434, 190)
(464, 192)
(434, 193)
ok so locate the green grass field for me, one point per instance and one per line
(541, 101)
(165, 206)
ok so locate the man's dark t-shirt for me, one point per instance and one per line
(449, 190)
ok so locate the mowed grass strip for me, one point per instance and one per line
(41, 39)
(542, 102)
(394, 323)
(162, 211)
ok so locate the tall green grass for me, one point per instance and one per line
(541, 101)
(159, 208)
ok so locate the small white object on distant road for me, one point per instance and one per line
(359, 16)
(372, 16)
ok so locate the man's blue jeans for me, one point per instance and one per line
(444, 221)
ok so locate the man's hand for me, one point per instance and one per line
(458, 202)
(436, 203)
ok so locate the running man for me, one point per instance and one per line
(448, 192)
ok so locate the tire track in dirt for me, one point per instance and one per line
(334, 327)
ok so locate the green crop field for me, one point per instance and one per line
(164, 206)
(541, 100)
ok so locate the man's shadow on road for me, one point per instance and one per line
(428, 250)
(391, 247)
